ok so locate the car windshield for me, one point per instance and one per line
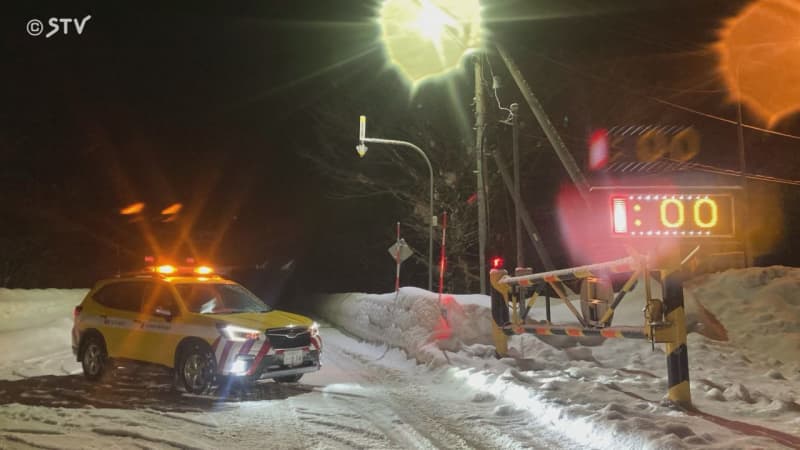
(219, 298)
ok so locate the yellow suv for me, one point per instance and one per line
(202, 326)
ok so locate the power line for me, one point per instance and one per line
(752, 176)
(722, 119)
(580, 72)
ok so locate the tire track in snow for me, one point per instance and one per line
(358, 427)
(424, 420)
(377, 410)
(135, 435)
(20, 440)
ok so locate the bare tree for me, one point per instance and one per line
(402, 177)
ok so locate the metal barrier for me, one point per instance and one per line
(664, 320)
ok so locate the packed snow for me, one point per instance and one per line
(396, 374)
(744, 350)
(33, 340)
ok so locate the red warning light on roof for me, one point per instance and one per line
(498, 262)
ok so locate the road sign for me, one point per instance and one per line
(405, 250)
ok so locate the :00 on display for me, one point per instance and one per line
(672, 215)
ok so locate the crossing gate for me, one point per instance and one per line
(664, 318)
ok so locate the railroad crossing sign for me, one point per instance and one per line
(403, 248)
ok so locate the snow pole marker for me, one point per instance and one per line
(397, 260)
(442, 262)
(446, 331)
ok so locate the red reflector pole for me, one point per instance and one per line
(620, 213)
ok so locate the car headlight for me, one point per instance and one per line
(238, 334)
(314, 329)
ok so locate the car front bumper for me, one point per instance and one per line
(286, 372)
(272, 366)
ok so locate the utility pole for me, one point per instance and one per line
(533, 233)
(549, 130)
(480, 120)
(748, 253)
(515, 148)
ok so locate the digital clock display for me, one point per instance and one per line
(695, 215)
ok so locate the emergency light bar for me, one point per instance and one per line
(168, 269)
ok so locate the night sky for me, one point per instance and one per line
(215, 106)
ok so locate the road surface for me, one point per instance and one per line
(362, 398)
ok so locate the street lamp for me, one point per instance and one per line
(426, 39)
(361, 148)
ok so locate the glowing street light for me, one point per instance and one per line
(429, 38)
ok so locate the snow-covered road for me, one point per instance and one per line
(365, 397)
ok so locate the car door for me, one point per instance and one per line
(119, 318)
(160, 331)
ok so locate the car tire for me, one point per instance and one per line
(197, 369)
(289, 378)
(94, 358)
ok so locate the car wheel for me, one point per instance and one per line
(289, 378)
(95, 358)
(197, 369)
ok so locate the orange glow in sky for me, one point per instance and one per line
(172, 209)
(759, 58)
(134, 208)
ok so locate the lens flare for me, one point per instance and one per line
(759, 58)
(134, 208)
(172, 209)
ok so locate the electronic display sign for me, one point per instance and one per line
(683, 215)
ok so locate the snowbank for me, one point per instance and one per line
(35, 329)
(410, 320)
(611, 395)
(26, 308)
(760, 307)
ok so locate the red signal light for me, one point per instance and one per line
(598, 150)
(498, 262)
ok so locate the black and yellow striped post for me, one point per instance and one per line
(677, 353)
(500, 316)
(627, 287)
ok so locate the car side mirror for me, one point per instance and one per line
(163, 312)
